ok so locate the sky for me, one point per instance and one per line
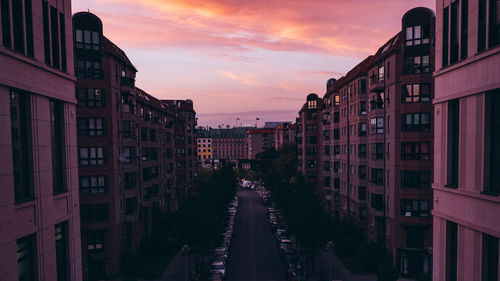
(246, 59)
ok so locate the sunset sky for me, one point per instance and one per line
(248, 58)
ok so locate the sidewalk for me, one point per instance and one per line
(337, 269)
(179, 269)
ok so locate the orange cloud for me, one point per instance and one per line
(337, 27)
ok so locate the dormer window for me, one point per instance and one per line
(311, 104)
(417, 35)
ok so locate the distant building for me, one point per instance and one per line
(467, 141)
(274, 124)
(229, 143)
(258, 140)
(204, 148)
(39, 202)
(285, 134)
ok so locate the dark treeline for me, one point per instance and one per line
(198, 222)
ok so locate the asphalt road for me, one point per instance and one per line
(254, 253)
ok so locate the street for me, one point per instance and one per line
(254, 252)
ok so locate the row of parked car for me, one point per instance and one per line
(286, 242)
(221, 253)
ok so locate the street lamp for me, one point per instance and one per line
(330, 246)
(185, 250)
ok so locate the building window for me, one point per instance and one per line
(311, 140)
(87, 39)
(327, 150)
(377, 176)
(361, 86)
(362, 213)
(492, 139)
(312, 163)
(20, 123)
(150, 173)
(91, 126)
(6, 27)
(20, 29)
(481, 33)
(417, 64)
(95, 241)
(88, 69)
(416, 35)
(129, 130)
(326, 135)
(377, 151)
(464, 26)
(149, 153)
(27, 258)
(377, 125)
(312, 151)
(362, 150)
(415, 237)
(336, 134)
(453, 142)
(129, 154)
(415, 179)
(90, 97)
(152, 135)
(415, 151)
(494, 23)
(57, 145)
(416, 121)
(92, 156)
(311, 104)
(326, 166)
(326, 181)
(362, 129)
(362, 108)
(381, 74)
(362, 172)
(451, 251)
(362, 193)
(416, 93)
(489, 261)
(94, 213)
(93, 184)
(130, 205)
(336, 150)
(377, 201)
(414, 208)
(131, 179)
(62, 251)
(336, 166)
(446, 30)
(454, 33)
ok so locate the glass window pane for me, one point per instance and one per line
(409, 33)
(79, 35)
(84, 182)
(417, 32)
(88, 38)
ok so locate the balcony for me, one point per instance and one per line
(377, 85)
(127, 81)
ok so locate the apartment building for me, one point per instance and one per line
(467, 133)
(39, 205)
(285, 134)
(204, 148)
(229, 143)
(136, 152)
(259, 140)
(307, 138)
(185, 147)
(371, 152)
